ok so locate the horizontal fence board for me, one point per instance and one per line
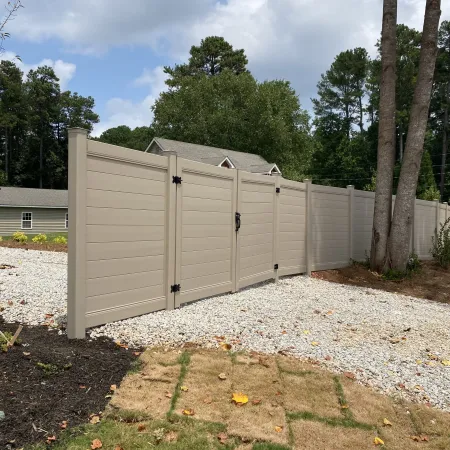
(206, 231)
(256, 239)
(257, 249)
(205, 180)
(127, 217)
(255, 260)
(114, 250)
(123, 283)
(211, 243)
(259, 197)
(257, 228)
(124, 200)
(112, 167)
(203, 269)
(203, 282)
(119, 233)
(206, 205)
(113, 267)
(212, 193)
(211, 218)
(205, 256)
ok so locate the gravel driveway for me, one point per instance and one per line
(395, 343)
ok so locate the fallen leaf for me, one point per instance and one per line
(47, 316)
(314, 343)
(82, 386)
(378, 441)
(329, 313)
(63, 425)
(419, 361)
(10, 302)
(264, 361)
(278, 429)
(256, 402)
(222, 376)
(96, 443)
(344, 406)
(184, 388)
(223, 437)
(386, 423)
(225, 347)
(51, 439)
(113, 387)
(445, 362)
(327, 358)
(168, 394)
(208, 400)
(284, 332)
(171, 436)
(219, 338)
(141, 427)
(118, 447)
(188, 412)
(26, 353)
(94, 419)
(306, 331)
(240, 398)
(137, 353)
(350, 375)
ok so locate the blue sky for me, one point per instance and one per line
(114, 50)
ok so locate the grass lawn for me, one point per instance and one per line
(182, 400)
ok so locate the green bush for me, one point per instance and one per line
(441, 245)
(1, 239)
(60, 240)
(40, 238)
(20, 236)
(412, 266)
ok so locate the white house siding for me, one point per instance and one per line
(45, 220)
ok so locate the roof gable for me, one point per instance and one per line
(210, 155)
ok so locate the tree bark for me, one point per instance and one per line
(409, 174)
(444, 141)
(386, 138)
(41, 161)
(361, 115)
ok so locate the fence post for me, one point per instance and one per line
(446, 210)
(76, 267)
(351, 198)
(276, 221)
(438, 213)
(171, 205)
(308, 227)
(413, 227)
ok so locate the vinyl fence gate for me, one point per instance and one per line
(150, 232)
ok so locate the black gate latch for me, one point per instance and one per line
(238, 221)
(175, 288)
(176, 180)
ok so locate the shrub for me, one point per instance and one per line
(20, 236)
(60, 240)
(1, 239)
(40, 238)
(441, 245)
(412, 266)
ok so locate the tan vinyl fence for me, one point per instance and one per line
(150, 232)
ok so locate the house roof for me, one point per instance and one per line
(212, 155)
(33, 198)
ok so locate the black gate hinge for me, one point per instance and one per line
(175, 288)
(275, 266)
(176, 180)
(277, 190)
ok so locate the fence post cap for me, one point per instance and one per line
(307, 180)
(76, 130)
(445, 203)
(350, 186)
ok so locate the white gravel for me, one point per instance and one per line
(392, 342)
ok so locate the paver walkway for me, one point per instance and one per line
(290, 403)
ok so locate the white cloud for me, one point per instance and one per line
(121, 111)
(65, 71)
(291, 39)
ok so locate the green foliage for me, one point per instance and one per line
(40, 238)
(4, 342)
(238, 113)
(19, 236)
(60, 240)
(48, 369)
(441, 245)
(138, 139)
(412, 266)
(211, 57)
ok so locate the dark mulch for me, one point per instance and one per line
(84, 372)
(49, 246)
(431, 281)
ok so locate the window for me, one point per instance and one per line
(67, 220)
(27, 221)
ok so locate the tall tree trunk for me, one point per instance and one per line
(361, 115)
(386, 138)
(400, 131)
(444, 141)
(6, 154)
(409, 174)
(41, 160)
